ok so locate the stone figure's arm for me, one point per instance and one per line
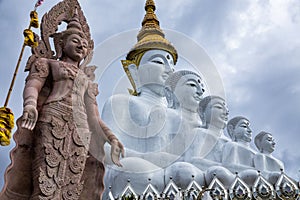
(99, 127)
(34, 83)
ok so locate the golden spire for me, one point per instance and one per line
(150, 36)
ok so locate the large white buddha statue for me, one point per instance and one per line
(237, 154)
(139, 118)
(264, 161)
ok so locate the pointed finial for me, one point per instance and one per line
(74, 22)
(150, 36)
(150, 5)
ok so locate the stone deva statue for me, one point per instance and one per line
(237, 155)
(138, 119)
(263, 160)
(60, 113)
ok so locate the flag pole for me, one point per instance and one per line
(6, 115)
(14, 76)
(39, 2)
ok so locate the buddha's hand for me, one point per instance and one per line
(116, 151)
(29, 118)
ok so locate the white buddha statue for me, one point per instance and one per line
(184, 90)
(237, 154)
(264, 161)
(139, 118)
(209, 139)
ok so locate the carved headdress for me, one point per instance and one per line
(65, 11)
(150, 37)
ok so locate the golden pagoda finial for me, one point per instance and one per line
(150, 36)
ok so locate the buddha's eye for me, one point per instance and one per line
(218, 107)
(157, 61)
(192, 84)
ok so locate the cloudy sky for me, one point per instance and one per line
(253, 43)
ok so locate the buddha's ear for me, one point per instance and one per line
(169, 96)
(203, 119)
(230, 131)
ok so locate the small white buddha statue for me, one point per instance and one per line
(237, 154)
(206, 149)
(184, 90)
(264, 161)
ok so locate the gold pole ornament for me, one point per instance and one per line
(6, 125)
(6, 115)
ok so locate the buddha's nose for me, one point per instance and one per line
(227, 112)
(200, 91)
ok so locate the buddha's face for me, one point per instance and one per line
(216, 113)
(154, 69)
(75, 47)
(242, 131)
(188, 91)
(267, 144)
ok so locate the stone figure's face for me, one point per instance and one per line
(216, 113)
(154, 69)
(188, 92)
(242, 131)
(267, 144)
(75, 47)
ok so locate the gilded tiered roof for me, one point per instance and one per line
(150, 36)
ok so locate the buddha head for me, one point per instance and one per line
(184, 89)
(152, 58)
(239, 131)
(213, 112)
(154, 69)
(265, 142)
